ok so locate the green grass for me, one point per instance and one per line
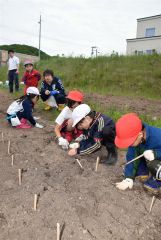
(118, 75)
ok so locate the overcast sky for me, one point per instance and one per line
(73, 26)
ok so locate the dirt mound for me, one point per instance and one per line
(84, 202)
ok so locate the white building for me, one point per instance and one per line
(148, 36)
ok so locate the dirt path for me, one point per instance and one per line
(87, 203)
(139, 105)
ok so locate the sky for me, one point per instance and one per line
(72, 27)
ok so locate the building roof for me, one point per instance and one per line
(151, 17)
(143, 38)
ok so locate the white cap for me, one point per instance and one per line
(79, 113)
(28, 62)
(32, 90)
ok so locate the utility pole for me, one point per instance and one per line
(39, 36)
(94, 49)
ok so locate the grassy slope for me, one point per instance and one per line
(135, 75)
(118, 75)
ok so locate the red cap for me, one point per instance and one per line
(128, 128)
(75, 96)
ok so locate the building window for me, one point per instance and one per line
(150, 32)
(140, 52)
(149, 51)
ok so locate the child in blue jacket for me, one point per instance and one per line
(139, 138)
(52, 91)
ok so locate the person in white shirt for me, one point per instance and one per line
(63, 129)
(13, 70)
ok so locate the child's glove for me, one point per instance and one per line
(38, 125)
(74, 145)
(54, 92)
(126, 183)
(63, 143)
(80, 138)
(149, 155)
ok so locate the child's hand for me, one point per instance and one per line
(72, 152)
(47, 92)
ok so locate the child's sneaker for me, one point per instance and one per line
(152, 185)
(142, 178)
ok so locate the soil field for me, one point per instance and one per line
(85, 203)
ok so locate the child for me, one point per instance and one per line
(52, 91)
(31, 77)
(63, 129)
(139, 138)
(97, 129)
(21, 110)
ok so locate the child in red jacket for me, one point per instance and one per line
(31, 76)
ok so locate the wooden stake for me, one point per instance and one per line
(58, 231)
(19, 176)
(35, 202)
(12, 160)
(2, 137)
(9, 143)
(79, 163)
(151, 205)
(97, 163)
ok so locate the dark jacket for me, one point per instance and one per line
(55, 85)
(26, 112)
(94, 135)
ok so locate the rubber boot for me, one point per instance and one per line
(112, 157)
(61, 107)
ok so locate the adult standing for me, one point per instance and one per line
(13, 70)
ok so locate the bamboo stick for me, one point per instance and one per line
(35, 202)
(9, 144)
(97, 163)
(152, 203)
(79, 163)
(19, 176)
(58, 231)
(12, 160)
(134, 159)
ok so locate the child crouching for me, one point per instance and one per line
(98, 129)
(52, 91)
(63, 129)
(20, 111)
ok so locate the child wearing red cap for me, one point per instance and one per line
(63, 129)
(31, 76)
(139, 138)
